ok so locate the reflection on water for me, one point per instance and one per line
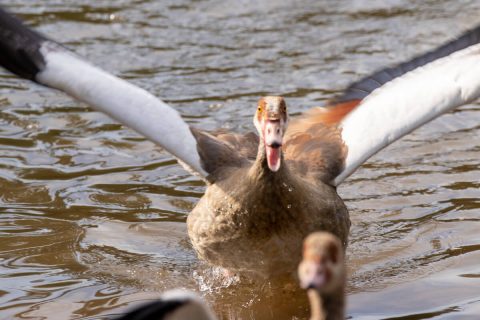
(92, 216)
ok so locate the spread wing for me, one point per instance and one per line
(33, 56)
(385, 106)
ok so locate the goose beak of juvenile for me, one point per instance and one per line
(312, 275)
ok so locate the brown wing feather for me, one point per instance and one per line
(221, 149)
(317, 153)
(245, 145)
(313, 143)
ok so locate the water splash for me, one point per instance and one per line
(212, 279)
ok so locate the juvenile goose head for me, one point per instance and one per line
(322, 273)
(271, 121)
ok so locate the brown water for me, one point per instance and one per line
(92, 216)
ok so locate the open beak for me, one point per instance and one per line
(273, 135)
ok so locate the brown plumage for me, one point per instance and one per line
(253, 218)
(317, 152)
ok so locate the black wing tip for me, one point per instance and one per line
(156, 310)
(366, 85)
(20, 47)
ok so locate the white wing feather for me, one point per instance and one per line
(128, 104)
(406, 103)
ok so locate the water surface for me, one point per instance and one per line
(92, 216)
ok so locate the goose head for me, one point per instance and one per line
(322, 267)
(271, 119)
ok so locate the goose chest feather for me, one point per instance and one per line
(252, 223)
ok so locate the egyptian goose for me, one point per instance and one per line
(265, 192)
(322, 273)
